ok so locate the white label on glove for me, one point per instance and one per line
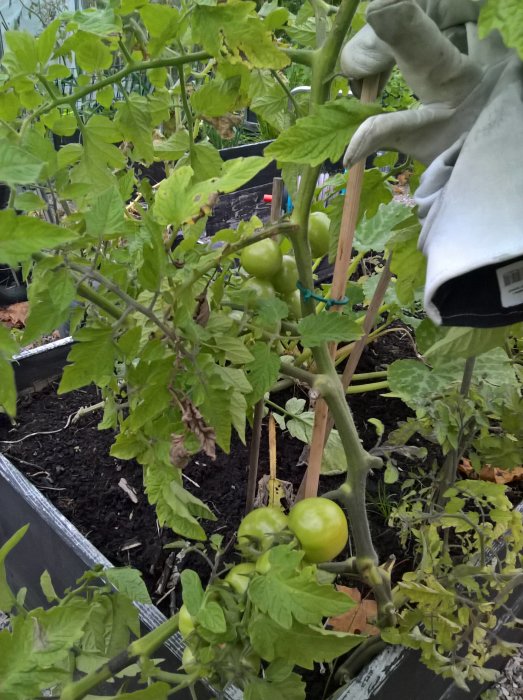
(510, 280)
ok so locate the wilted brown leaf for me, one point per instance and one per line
(178, 454)
(224, 125)
(14, 316)
(193, 420)
(357, 620)
(490, 473)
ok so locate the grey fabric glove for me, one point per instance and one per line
(470, 133)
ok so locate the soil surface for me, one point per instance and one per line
(68, 460)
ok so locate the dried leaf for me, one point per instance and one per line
(14, 316)
(490, 473)
(178, 454)
(284, 492)
(224, 125)
(193, 420)
(203, 310)
(358, 619)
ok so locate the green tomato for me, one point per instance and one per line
(293, 301)
(285, 280)
(319, 237)
(239, 577)
(185, 621)
(259, 527)
(321, 527)
(262, 288)
(262, 259)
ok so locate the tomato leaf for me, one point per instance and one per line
(323, 135)
(327, 327)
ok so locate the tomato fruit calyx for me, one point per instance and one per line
(321, 528)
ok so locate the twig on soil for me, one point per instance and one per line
(70, 420)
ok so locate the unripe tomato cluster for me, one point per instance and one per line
(276, 273)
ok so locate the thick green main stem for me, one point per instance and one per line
(352, 493)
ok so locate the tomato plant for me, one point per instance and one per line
(184, 354)
(321, 527)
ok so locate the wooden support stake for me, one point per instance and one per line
(254, 453)
(349, 219)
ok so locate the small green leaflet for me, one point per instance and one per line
(192, 591)
(105, 219)
(22, 236)
(7, 599)
(263, 372)
(507, 17)
(51, 293)
(211, 616)
(374, 232)
(129, 582)
(175, 506)
(322, 135)
(327, 327)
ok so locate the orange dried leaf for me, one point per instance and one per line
(14, 316)
(357, 620)
(490, 473)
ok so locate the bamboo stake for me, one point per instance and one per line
(254, 453)
(349, 219)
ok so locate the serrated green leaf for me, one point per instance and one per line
(468, 342)
(234, 30)
(238, 171)
(302, 644)
(175, 506)
(29, 201)
(134, 119)
(22, 56)
(234, 349)
(290, 688)
(18, 166)
(373, 232)
(408, 263)
(46, 41)
(211, 616)
(217, 97)
(333, 460)
(105, 219)
(129, 582)
(92, 359)
(21, 236)
(327, 327)
(322, 135)
(287, 596)
(51, 293)
(263, 371)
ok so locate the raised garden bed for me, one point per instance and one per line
(69, 462)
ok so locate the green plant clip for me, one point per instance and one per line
(310, 294)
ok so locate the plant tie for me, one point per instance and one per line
(311, 294)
